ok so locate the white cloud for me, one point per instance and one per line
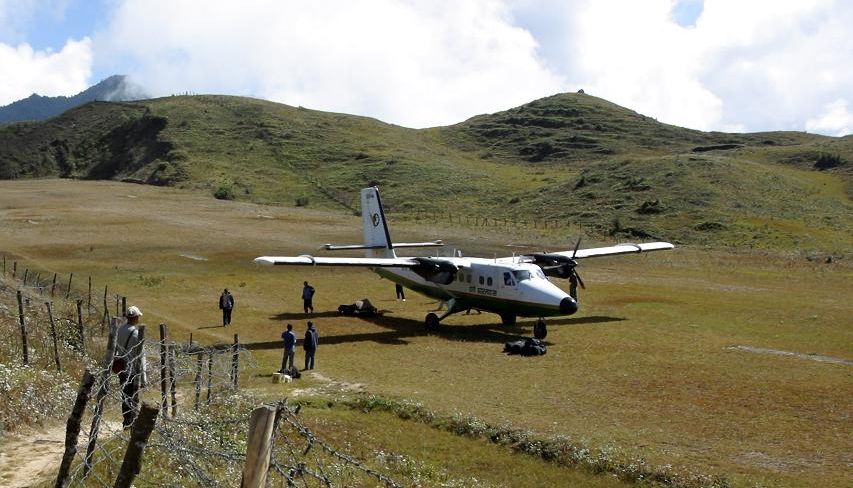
(411, 63)
(634, 54)
(836, 119)
(26, 71)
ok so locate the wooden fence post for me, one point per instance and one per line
(235, 361)
(80, 325)
(173, 380)
(139, 434)
(164, 405)
(68, 290)
(37, 283)
(123, 305)
(24, 342)
(53, 286)
(106, 371)
(259, 445)
(209, 375)
(26, 275)
(53, 334)
(14, 269)
(72, 428)
(143, 375)
(199, 361)
(89, 303)
(106, 311)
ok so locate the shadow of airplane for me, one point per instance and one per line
(399, 329)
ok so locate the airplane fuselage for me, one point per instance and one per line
(498, 286)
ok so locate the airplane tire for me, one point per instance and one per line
(431, 321)
(540, 330)
(507, 319)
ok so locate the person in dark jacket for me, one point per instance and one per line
(287, 362)
(307, 297)
(226, 304)
(401, 295)
(312, 339)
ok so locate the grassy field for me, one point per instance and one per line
(655, 365)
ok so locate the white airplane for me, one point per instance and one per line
(510, 286)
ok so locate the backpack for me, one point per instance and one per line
(119, 362)
(294, 373)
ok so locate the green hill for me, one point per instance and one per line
(566, 160)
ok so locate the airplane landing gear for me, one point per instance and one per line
(539, 329)
(431, 322)
(507, 319)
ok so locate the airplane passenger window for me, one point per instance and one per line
(489, 281)
(481, 280)
(468, 278)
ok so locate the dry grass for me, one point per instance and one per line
(644, 367)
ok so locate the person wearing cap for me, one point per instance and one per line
(226, 304)
(312, 339)
(130, 363)
(289, 337)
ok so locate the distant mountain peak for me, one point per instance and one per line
(116, 88)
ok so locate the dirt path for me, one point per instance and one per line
(34, 458)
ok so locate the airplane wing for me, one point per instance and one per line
(595, 252)
(619, 249)
(307, 260)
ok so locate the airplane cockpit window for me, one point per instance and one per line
(508, 279)
(521, 274)
(539, 274)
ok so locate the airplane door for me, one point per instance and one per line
(508, 285)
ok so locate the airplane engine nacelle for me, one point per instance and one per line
(554, 264)
(436, 270)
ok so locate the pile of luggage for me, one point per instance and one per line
(361, 308)
(526, 347)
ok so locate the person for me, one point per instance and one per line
(226, 304)
(400, 294)
(307, 297)
(130, 363)
(573, 286)
(312, 339)
(287, 361)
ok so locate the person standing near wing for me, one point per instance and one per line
(312, 339)
(289, 338)
(307, 297)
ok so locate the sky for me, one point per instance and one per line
(723, 65)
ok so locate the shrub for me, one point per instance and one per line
(302, 202)
(827, 161)
(224, 192)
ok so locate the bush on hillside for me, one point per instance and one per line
(224, 192)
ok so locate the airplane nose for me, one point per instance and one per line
(568, 306)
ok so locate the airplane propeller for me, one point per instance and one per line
(559, 265)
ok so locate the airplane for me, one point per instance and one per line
(515, 286)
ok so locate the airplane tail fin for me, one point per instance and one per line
(377, 239)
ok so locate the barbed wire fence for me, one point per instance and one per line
(203, 430)
(199, 423)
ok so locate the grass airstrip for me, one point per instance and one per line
(715, 361)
